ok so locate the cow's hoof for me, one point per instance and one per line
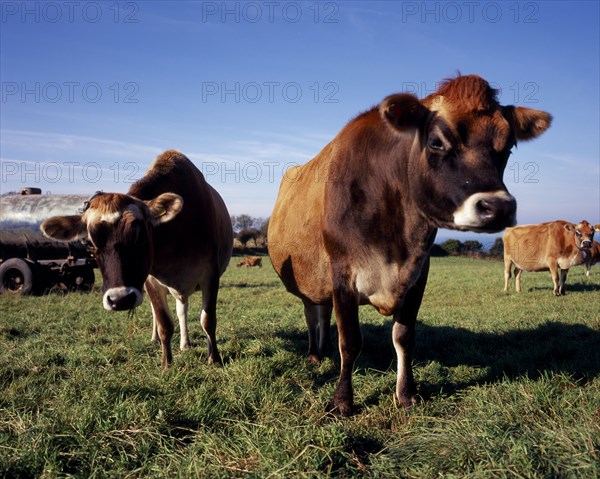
(343, 410)
(185, 346)
(405, 402)
(342, 406)
(215, 360)
(313, 358)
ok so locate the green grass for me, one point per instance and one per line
(510, 386)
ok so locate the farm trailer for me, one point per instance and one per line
(30, 263)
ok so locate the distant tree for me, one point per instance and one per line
(437, 251)
(471, 246)
(243, 222)
(497, 248)
(264, 227)
(452, 246)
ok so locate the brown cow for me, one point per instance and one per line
(594, 255)
(250, 261)
(554, 246)
(170, 233)
(355, 224)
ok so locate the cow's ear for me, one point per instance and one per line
(165, 207)
(597, 227)
(527, 123)
(404, 111)
(570, 227)
(64, 228)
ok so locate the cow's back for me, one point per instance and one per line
(295, 235)
(200, 236)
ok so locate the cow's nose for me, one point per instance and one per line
(120, 303)
(492, 209)
(121, 299)
(487, 212)
(586, 244)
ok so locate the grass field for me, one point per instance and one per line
(510, 386)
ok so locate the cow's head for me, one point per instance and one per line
(463, 142)
(120, 228)
(583, 233)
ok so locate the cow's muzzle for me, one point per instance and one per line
(586, 244)
(486, 212)
(122, 298)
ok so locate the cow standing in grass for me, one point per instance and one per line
(170, 234)
(355, 224)
(555, 246)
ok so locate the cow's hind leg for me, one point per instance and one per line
(518, 272)
(318, 321)
(182, 314)
(507, 268)
(162, 318)
(312, 322)
(553, 265)
(154, 327)
(403, 336)
(208, 317)
(325, 329)
(563, 278)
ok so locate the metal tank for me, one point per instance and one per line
(30, 262)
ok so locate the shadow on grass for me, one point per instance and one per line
(569, 287)
(551, 347)
(246, 284)
(573, 349)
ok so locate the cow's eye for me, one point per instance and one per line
(578, 233)
(436, 144)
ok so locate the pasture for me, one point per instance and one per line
(509, 386)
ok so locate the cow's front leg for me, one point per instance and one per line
(162, 318)
(403, 336)
(324, 329)
(208, 317)
(345, 304)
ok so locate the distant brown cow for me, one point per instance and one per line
(355, 224)
(170, 233)
(554, 246)
(250, 261)
(593, 257)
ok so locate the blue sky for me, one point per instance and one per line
(93, 91)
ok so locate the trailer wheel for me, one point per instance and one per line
(16, 277)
